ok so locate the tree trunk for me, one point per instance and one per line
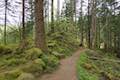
(23, 35)
(93, 24)
(72, 11)
(58, 9)
(89, 26)
(5, 23)
(81, 13)
(40, 41)
(52, 16)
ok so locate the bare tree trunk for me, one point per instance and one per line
(98, 45)
(81, 8)
(93, 24)
(75, 12)
(58, 9)
(72, 10)
(89, 26)
(5, 23)
(48, 13)
(23, 35)
(40, 41)
(52, 16)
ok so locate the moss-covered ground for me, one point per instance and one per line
(17, 64)
(98, 65)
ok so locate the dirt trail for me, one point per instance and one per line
(67, 69)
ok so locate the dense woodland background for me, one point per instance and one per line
(50, 30)
(95, 26)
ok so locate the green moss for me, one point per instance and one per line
(5, 50)
(33, 53)
(2, 77)
(62, 42)
(103, 67)
(83, 74)
(26, 76)
(33, 60)
(51, 62)
(12, 75)
(35, 66)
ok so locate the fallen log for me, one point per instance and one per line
(103, 59)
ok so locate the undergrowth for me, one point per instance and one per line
(97, 65)
(17, 64)
(83, 73)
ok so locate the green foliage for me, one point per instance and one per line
(83, 74)
(2, 77)
(60, 56)
(32, 60)
(34, 67)
(15, 61)
(5, 50)
(52, 44)
(26, 76)
(33, 53)
(103, 67)
(51, 62)
(11, 61)
(12, 75)
(62, 42)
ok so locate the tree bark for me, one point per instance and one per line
(89, 26)
(40, 41)
(58, 7)
(52, 16)
(93, 24)
(81, 14)
(5, 23)
(23, 34)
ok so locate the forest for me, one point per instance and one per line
(59, 40)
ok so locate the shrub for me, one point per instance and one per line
(2, 77)
(35, 67)
(5, 49)
(52, 43)
(15, 61)
(26, 76)
(12, 75)
(59, 55)
(33, 53)
(51, 62)
(12, 62)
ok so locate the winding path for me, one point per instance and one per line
(67, 69)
